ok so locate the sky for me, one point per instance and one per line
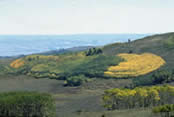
(86, 16)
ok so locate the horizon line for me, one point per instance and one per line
(76, 34)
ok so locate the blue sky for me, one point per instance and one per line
(86, 16)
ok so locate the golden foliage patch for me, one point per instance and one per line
(43, 57)
(138, 97)
(135, 65)
(17, 63)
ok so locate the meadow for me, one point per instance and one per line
(69, 100)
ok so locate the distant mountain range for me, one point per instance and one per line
(14, 45)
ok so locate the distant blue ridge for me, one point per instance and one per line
(13, 45)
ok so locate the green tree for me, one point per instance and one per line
(26, 104)
(93, 51)
(162, 76)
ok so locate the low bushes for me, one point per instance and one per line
(76, 80)
(26, 104)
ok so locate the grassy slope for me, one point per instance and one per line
(78, 63)
(161, 45)
(154, 44)
(65, 65)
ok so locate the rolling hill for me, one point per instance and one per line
(88, 68)
(75, 63)
(161, 45)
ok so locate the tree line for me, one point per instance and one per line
(158, 77)
(26, 104)
(139, 97)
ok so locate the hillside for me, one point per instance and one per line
(158, 45)
(78, 80)
(153, 53)
(161, 45)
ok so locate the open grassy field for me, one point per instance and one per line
(83, 101)
(118, 113)
(70, 101)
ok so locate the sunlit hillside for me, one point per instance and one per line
(64, 66)
(135, 65)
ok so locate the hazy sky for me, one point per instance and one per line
(86, 16)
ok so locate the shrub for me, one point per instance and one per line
(162, 76)
(76, 80)
(26, 104)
